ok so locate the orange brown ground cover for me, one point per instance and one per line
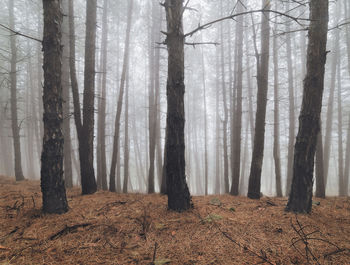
(110, 228)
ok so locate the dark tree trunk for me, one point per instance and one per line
(237, 130)
(179, 198)
(52, 183)
(86, 139)
(276, 129)
(120, 100)
(14, 113)
(68, 178)
(101, 127)
(126, 135)
(300, 198)
(262, 80)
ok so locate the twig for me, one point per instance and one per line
(154, 252)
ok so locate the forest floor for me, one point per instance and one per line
(110, 228)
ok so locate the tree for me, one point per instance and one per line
(52, 183)
(237, 132)
(291, 139)
(14, 113)
(66, 99)
(276, 129)
(262, 81)
(85, 127)
(101, 127)
(178, 194)
(300, 198)
(120, 100)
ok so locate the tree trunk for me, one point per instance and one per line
(126, 134)
(262, 80)
(52, 183)
(300, 198)
(101, 127)
(179, 198)
(116, 138)
(86, 138)
(224, 100)
(276, 129)
(237, 130)
(14, 114)
(66, 102)
(218, 155)
(291, 139)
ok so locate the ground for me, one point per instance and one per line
(110, 228)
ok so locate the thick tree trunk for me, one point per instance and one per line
(300, 198)
(262, 78)
(66, 101)
(276, 129)
(116, 138)
(237, 130)
(179, 198)
(14, 114)
(52, 183)
(101, 126)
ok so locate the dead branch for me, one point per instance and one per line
(68, 229)
(19, 33)
(209, 24)
(154, 252)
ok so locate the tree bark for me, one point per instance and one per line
(116, 138)
(52, 183)
(178, 194)
(300, 198)
(262, 80)
(14, 114)
(86, 139)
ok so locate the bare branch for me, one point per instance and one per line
(19, 33)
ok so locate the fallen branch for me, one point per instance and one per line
(68, 229)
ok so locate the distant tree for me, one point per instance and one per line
(178, 194)
(276, 128)
(116, 139)
(101, 126)
(300, 198)
(13, 82)
(52, 183)
(262, 80)
(237, 130)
